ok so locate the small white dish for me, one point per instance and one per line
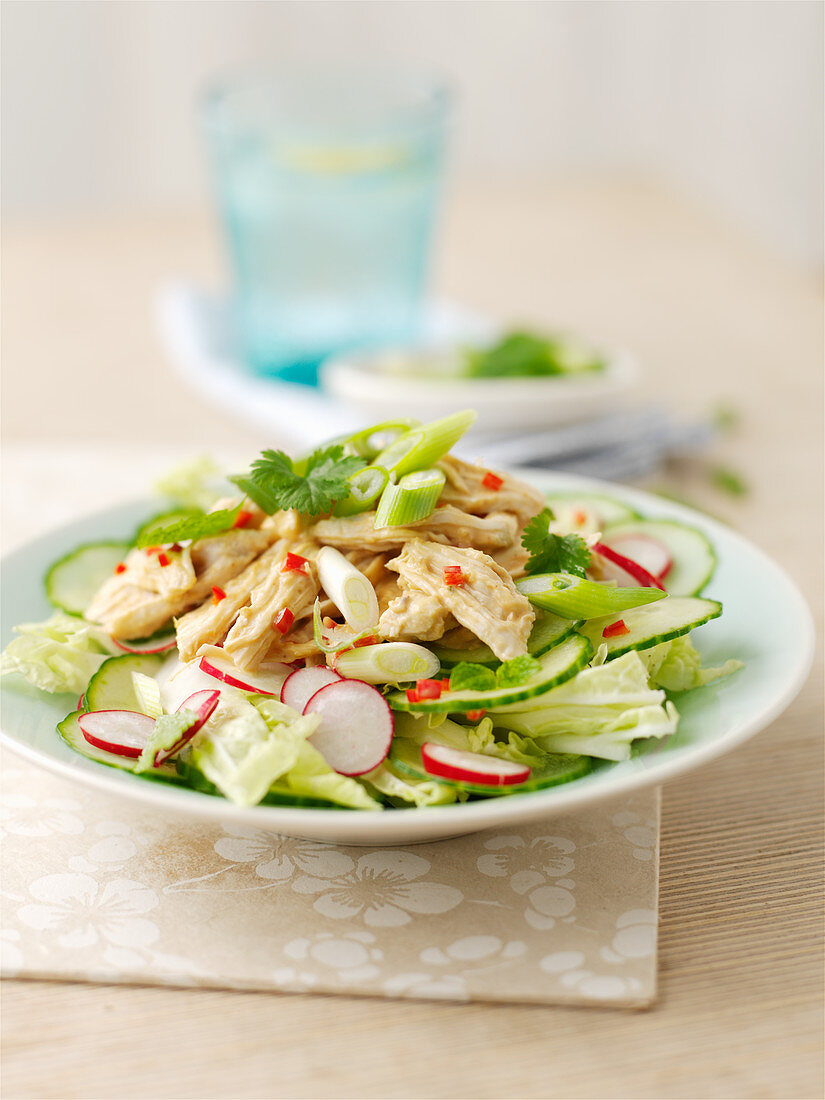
(375, 385)
(766, 624)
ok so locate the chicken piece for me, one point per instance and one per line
(448, 525)
(297, 645)
(284, 525)
(127, 609)
(465, 489)
(512, 558)
(250, 638)
(209, 623)
(487, 602)
(414, 616)
(144, 572)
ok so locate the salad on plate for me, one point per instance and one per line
(376, 625)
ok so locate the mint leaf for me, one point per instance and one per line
(195, 526)
(469, 677)
(273, 483)
(516, 671)
(550, 553)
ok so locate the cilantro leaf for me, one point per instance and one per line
(470, 677)
(550, 553)
(273, 483)
(195, 526)
(516, 671)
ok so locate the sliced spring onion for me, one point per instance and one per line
(579, 598)
(422, 447)
(322, 639)
(147, 691)
(365, 487)
(369, 442)
(388, 663)
(413, 498)
(348, 588)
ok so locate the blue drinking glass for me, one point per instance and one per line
(327, 184)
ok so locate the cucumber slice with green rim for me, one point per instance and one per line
(605, 509)
(75, 578)
(561, 768)
(651, 624)
(548, 631)
(164, 519)
(692, 554)
(111, 687)
(557, 665)
(69, 729)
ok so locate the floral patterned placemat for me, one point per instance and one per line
(101, 891)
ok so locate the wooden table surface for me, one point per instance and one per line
(714, 318)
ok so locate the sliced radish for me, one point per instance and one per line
(623, 570)
(81, 702)
(471, 767)
(356, 727)
(156, 645)
(301, 685)
(122, 732)
(264, 682)
(648, 552)
(203, 704)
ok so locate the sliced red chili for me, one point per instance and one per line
(412, 695)
(242, 518)
(218, 594)
(163, 558)
(293, 563)
(579, 518)
(445, 683)
(475, 715)
(453, 575)
(492, 481)
(150, 550)
(120, 567)
(428, 689)
(284, 621)
(370, 639)
(619, 627)
(176, 547)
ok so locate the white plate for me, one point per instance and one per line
(765, 623)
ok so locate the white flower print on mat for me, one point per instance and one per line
(383, 887)
(278, 857)
(640, 832)
(489, 950)
(22, 815)
(526, 864)
(446, 987)
(635, 937)
(603, 987)
(350, 956)
(82, 912)
(115, 848)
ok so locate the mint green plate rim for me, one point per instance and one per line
(766, 623)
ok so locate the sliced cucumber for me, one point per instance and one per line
(604, 510)
(69, 729)
(548, 630)
(654, 623)
(692, 554)
(557, 665)
(561, 768)
(111, 687)
(74, 579)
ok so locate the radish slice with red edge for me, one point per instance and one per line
(301, 685)
(203, 704)
(644, 550)
(471, 767)
(156, 645)
(268, 682)
(356, 728)
(623, 570)
(122, 732)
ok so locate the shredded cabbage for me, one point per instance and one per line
(677, 666)
(189, 484)
(420, 792)
(312, 777)
(60, 654)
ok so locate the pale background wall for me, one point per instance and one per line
(722, 99)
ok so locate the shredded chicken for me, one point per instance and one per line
(465, 489)
(250, 638)
(448, 525)
(487, 603)
(129, 605)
